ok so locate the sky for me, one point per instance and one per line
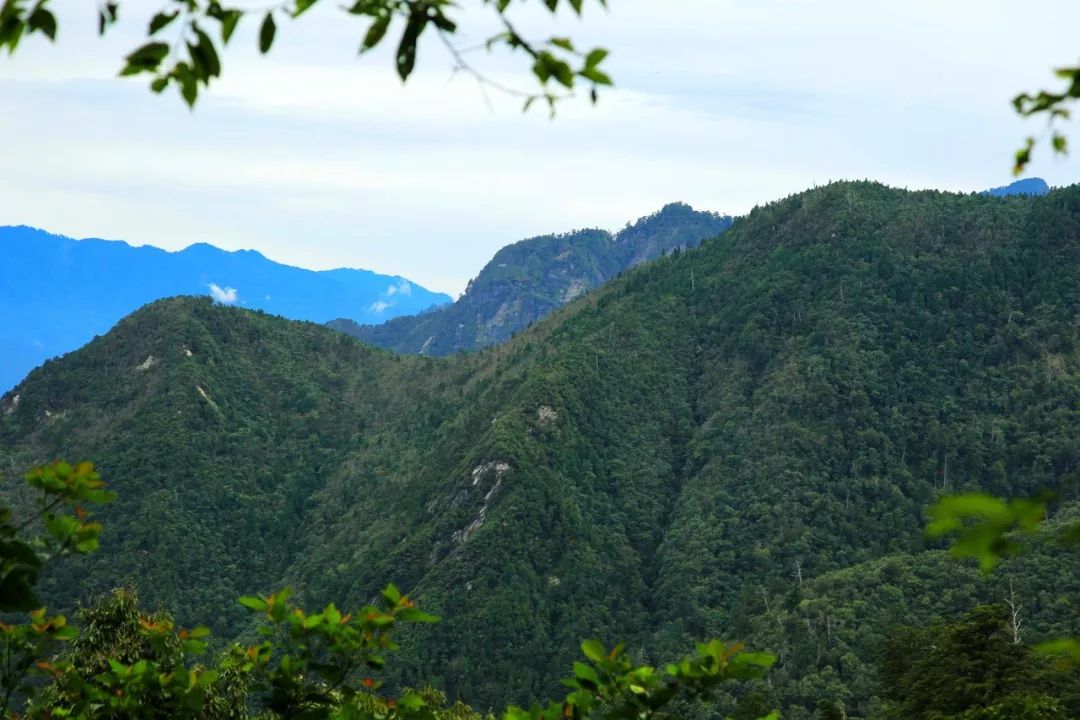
(321, 159)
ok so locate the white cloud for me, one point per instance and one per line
(378, 306)
(403, 287)
(225, 296)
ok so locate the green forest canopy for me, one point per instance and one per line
(737, 441)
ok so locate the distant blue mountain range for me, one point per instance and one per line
(57, 293)
(1027, 186)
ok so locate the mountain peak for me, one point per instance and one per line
(43, 326)
(527, 280)
(1026, 186)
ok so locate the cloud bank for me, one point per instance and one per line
(225, 296)
(403, 287)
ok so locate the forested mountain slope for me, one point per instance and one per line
(531, 278)
(737, 440)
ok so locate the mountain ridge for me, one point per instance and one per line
(1025, 186)
(530, 278)
(94, 282)
(717, 443)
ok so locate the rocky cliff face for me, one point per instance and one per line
(528, 280)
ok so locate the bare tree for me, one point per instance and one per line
(1015, 622)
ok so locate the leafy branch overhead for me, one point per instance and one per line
(1052, 105)
(989, 529)
(186, 38)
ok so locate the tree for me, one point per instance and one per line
(972, 669)
(185, 39)
(989, 528)
(129, 664)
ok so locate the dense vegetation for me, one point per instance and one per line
(526, 281)
(736, 441)
(120, 662)
(949, 669)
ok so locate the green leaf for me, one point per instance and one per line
(984, 524)
(376, 32)
(595, 57)
(586, 672)
(208, 677)
(43, 21)
(266, 33)
(194, 647)
(391, 595)
(593, 650)
(229, 20)
(417, 616)
(302, 6)
(107, 14)
(595, 76)
(162, 20)
(66, 633)
(406, 52)
(205, 54)
(750, 666)
(254, 603)
(145, 59)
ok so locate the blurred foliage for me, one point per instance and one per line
(186, 39)
(59, 525)
(1055, 106)
(988, 538)
(990, 529)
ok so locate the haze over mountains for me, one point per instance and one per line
(57, 293)
(737, 440)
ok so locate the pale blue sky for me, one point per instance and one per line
(319, 159)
